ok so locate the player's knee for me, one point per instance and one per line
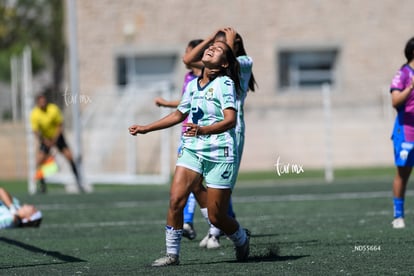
(216, 217)
(177, 203)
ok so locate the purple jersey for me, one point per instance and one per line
(187, 78)
(405, 116)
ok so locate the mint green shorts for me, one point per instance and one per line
(217, 175)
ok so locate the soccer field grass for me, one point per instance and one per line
(303, 227)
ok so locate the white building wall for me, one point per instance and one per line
(370, 36)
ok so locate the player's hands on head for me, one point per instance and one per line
(229, 31)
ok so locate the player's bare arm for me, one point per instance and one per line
(6, 198)
(159, 101)
(190, 58)
(168, 121)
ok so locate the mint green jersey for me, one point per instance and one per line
(6, 217)
(205, 106)
(246, 64)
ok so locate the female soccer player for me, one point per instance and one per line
(402, 87)
(13, 214)
(209, 149)
(194, 72)
(247, 83)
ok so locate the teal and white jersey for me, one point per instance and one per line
(6, 217)
(205, 106)
(246, 64)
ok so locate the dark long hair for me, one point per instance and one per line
(239, 51)
(193, 43)
(409, 50)
(233, 70)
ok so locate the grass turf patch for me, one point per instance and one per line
(298, 228)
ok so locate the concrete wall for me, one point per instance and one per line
(289, 125)
(370, 36)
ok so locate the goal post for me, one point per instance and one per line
(28, 103)
(110, 155)
(113, 156)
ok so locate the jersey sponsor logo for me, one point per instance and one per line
(196, 114)
(225, 175)
(228, 82)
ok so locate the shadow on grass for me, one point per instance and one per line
(270, 253)
(34, 249)
(259, 254)
(273, 258)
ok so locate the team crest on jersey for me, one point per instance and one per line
(210, 94)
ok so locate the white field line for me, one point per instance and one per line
(103, 224)
(241, 199)
(317, 197)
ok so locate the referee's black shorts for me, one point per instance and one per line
(60, 144)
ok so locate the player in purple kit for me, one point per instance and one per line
(402, 87)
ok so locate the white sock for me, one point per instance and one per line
(204, 213)
(214, 231)
(239, 237)
(173, 240)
